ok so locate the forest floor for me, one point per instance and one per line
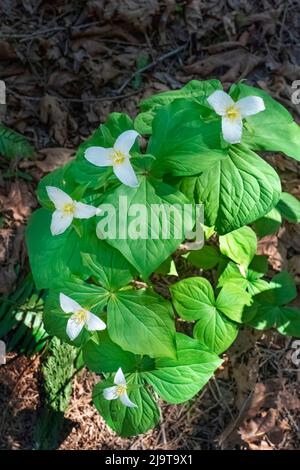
(66, 66)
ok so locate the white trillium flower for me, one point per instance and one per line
(119, 390)
(67, 210)
(81, 317)
(117, 156)
(233, 113)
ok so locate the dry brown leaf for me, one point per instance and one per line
(255, 429)
(276, 251)
(53, 114)
(54, 157)
(239, 63)
(19, 200)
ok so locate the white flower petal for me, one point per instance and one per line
(232, 130)
(94, 323)
(67, 304)
(58, 197)
(99, 156)
(119, 377)
(60, 222)
(110, 393)
(125, 173)
(125, 400)
(85, 211)
(74, 328)
(125, 141)
(250, 105)
(220, 101)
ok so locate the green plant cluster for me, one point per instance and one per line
(186, 161)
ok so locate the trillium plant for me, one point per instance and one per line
(100, 260)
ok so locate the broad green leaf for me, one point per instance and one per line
(283, 289)
(108, 266)
(289, 207)
(288, 322)
(239, 245)
(237, 190)
(194, 299)
(148, 238)
(215, 331)
(126, 421)
(206, 258)
(178, 380)
(51, 256)
(272, 129)
(90, 297)
(183, 143)
(95, 177)
(141, 322)
(102, 355)
(233, 273)
(270, 305)
(248, 279)
(268, 224)
(195, 90)
(258, 267)
(13, 144)
(232, 301)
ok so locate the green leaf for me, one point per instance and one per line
(270, 305)
(51, 256)
(206, 258)
(237, 190)
(289, 207)
(288, 322)
(108, 266)
(95, 177)
(258, 267)
(273, 129)
(233, 272)
(123, 420)
(102, 355)
(283, 289)
(141, 322)
(182, 142)
(195, 90)
(194, 299)
(248, 279)
(143, 249)
(239, 245)
(268, 224)
(215, 331)
(178, 380)
(13, 144)
(232, 301)
(89, 296)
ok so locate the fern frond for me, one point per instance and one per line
(13, 144)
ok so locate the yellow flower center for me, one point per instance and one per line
(232, 112)
(68, 208)
(80, 316)
(121, 389)
(118, 157)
